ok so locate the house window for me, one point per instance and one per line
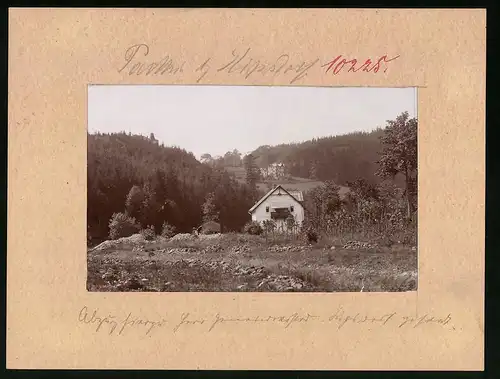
(267, 209)
(291, 208)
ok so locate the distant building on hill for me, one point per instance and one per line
(273, 171)
(281, 206)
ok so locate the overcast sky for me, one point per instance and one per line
(216, 119)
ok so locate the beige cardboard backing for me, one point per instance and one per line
(55, 54)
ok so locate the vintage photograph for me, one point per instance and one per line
(251, 189)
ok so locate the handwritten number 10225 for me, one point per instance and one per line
(339, 64)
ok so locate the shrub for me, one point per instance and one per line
(121, 225)
(311, 235)
(167, 230)
(210, 227)
(148, 233)
(269, 226)
(253, 227)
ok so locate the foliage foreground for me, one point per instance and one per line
(238, 262)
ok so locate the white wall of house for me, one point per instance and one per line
(278, 201)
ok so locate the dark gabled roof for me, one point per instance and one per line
(299, 195)
(269, 194)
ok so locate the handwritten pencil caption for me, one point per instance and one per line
(116, 325)
(242, 63)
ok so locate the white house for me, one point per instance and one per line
(278, 205)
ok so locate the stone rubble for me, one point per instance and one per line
(249, 278)
(241, 249)
(352, 245)
(134, 240)
(210, 236)
(216, 248)
(282, 283)
(183, 237)
(286, 248)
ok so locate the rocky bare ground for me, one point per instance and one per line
(250, 278)
(221, 263)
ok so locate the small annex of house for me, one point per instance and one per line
(279, 205)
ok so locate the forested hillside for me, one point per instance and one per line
(340, 159)
(136, 182)
(157, 184)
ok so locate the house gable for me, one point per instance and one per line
(277, 191)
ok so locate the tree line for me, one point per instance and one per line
(230, 159)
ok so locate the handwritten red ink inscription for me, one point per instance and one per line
(339, 64)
